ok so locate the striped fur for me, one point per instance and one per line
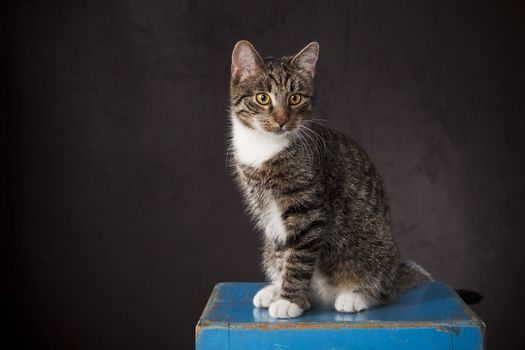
(313, 192)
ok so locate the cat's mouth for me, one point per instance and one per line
(283, 130)
(279, 131)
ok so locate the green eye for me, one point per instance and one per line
(294, 99)
(262, 99)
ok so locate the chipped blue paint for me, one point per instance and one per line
(430, 316)
(339, 339)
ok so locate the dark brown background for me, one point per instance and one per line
(120, 215)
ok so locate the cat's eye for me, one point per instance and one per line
(294, 99)
(262, 99)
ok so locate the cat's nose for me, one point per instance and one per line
(281, 116)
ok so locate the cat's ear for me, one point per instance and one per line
(307, 58)
(246, 61)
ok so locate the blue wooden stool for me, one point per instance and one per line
(428, 317)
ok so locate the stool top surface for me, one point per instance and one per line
(432, 303)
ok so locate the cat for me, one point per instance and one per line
(313, 192)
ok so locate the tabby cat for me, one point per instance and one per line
(312, 191)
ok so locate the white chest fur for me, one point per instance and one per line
(274, 229)
(254, 147)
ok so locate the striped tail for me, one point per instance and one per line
(409, 274)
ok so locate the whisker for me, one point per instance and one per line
(304, 146)
(327, 131)
(312, 140)
(305, 142)
(318, 139)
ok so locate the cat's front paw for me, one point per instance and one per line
(285, 309)
(265, 296)
(350, 302)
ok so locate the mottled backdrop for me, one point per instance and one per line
(120, 214)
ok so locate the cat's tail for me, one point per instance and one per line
(409, 274)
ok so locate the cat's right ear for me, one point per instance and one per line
(246, 61)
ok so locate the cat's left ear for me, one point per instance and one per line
(307, 58)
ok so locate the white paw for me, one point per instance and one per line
(350, 302)
(265, 296)
(284, 309)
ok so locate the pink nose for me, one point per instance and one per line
(280, 116)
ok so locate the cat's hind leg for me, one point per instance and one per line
(351, 301)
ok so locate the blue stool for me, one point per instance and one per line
(430, 316)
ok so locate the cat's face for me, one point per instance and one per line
(272, 95)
